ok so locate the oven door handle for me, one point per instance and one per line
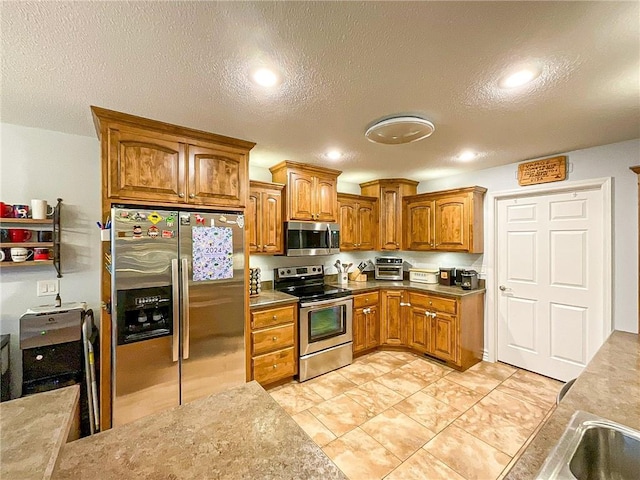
(335, 301)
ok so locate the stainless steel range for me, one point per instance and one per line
(325, 316)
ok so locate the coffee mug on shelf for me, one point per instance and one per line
(19, 254)
(40, 254)
(20, 211)
(4, 235)
(45, 236)
(40, 210)
(6, 210)
(2, 255)
(6, 255)
(19, 235)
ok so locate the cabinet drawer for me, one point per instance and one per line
(271, 317)
(272, 339)
(274, 366)
(440, 304)
(366, 299)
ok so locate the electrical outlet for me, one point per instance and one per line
(47, 288)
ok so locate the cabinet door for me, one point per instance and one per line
(391, 324)
(325, 199)
(419, 227)
(389, 219)
(144, 167)
(348, 227)
(359, 330)
(452, 223)
(419, 329)
(300, 196)
(217, 177)
(445, 337)
(272, 239)
(254, 222)
(366, 226)
(373, 327)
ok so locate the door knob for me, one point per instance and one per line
(503, 288)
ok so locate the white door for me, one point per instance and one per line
(550, 272)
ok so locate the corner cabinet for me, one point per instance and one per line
(450, 221)
(389, 193)
(33, 225)
(310, 193)
(264, 218)
(358, 222)
(149, 161)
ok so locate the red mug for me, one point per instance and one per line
(19, 235)
(6, 210)
(40, 254)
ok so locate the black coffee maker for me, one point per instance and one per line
(469, 280)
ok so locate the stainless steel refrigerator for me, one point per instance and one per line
(178, 307)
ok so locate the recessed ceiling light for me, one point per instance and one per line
(519, 77)
(265, 77)
(398, 130)
(467, 155)
(334, 154)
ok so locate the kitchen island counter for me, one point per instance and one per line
(240, 433)
(608, 387)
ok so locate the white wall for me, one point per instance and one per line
(603, 161)
(42, 164)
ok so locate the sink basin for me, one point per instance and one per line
(594, 448)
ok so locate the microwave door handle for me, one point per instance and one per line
(175, 290)
(329, 234)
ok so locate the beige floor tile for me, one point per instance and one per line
(360, 457)
(426, 369)
(532, 388)
(404, 356)
(517, 411)
(402, 381)
(499, 371)
(474, 380)
(451, 393)
(320, 434)
(467, 455)
(359, 373)
(296, 397)
(397, 432)
(330, 385)
(340, 414)
(383, 361)
(375, 397)
(493, 429)
(423, 466)
(426, 410)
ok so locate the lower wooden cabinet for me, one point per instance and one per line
(366, 321)
(393, 329)
(274, 346)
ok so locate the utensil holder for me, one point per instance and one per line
(343, 278)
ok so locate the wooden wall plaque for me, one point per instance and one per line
(542, 171)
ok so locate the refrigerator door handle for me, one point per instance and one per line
(175, 292)
(185, 308)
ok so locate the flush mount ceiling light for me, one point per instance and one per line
(467, 155)
(398, 130)
(265, 77)
(520, 76)
(334, 154)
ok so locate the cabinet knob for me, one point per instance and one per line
(275, 316)
(430, 302)
(192, 195)
(275, 365)
(181, 195)
(274, 338)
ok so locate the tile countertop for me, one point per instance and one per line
(609, 387)
(267, 298)
(359, 287)
(33, 429)
(240, 433)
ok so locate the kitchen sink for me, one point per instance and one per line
(594, 448)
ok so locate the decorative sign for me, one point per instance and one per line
(212, 253)
(542, 171)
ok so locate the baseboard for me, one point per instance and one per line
(485, 355)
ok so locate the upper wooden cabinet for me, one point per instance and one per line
(150, 161)
(311, 192)
(450, 220)
(358, 220)
(389, 193)
(264, 218)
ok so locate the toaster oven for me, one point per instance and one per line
(388, 268)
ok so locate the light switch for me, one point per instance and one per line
(47, 287)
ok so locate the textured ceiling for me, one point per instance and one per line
(344, 65)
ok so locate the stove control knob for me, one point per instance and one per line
(288, 271)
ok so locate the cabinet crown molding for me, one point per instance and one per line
(355, 196)
(288, 164)
(388, 181)
(103, 115)
(259, 184)
(453, 191)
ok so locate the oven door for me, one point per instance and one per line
(325, 324)
(304, 238)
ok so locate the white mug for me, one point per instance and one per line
(19, 254)
(2, 255)
(40, 210)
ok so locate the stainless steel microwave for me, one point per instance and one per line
(311, 238)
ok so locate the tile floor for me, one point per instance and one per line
(399, 416)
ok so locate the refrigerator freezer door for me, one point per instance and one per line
(212, 245)
(146, 380)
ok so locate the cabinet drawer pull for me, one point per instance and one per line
(402, 304)
(181, 195)
(192, 195)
